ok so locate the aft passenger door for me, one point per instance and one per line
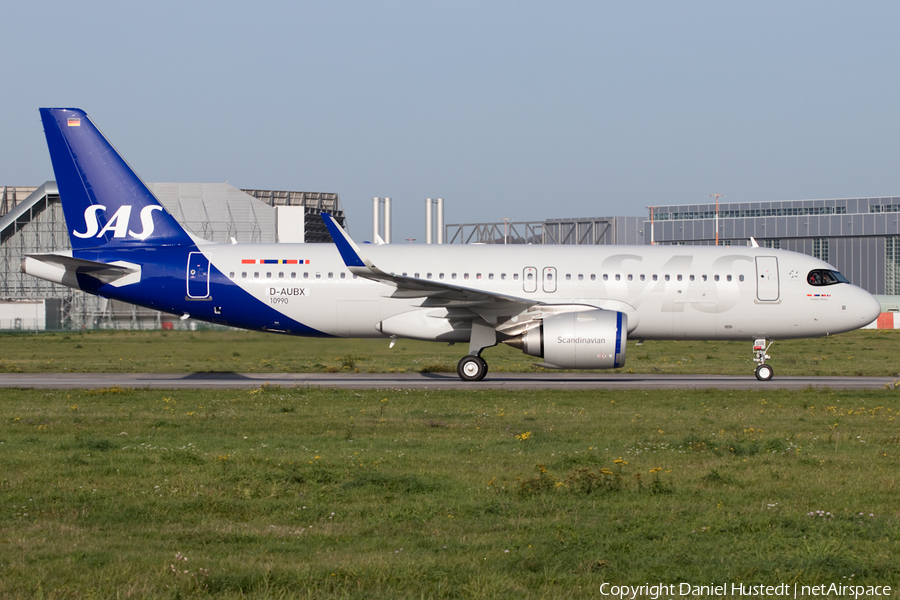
(767, 288)
(197, 275)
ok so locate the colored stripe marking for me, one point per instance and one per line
(274, 261)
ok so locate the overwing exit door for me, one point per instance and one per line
(529, 279)
(549, 279)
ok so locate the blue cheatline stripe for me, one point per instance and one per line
(618, 338)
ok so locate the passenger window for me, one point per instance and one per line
(668, 277)
(568, 277)
(606, 277)
(502, 276)
(593, 277)
(715, 277)
(580, 277)
(440, 275)
(244, 275)
(281, 275)
(691, 278)
(703, 277)
(740, 277)
(642, 277)
(330, 275)
(269, 275)
(428, 275)
(306, 275)
(343, 275)
(530, 276)
(618, 277)
(515, 276)
(728, 278)
(256, 275)
(416, 275)
(490, 276)
(293, 275)
(231, 275)
(318, 275)
(679, 277)
(630, 277)
(453, 276)
(655, 277)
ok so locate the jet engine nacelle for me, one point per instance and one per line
(593, 339)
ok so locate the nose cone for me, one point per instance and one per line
(869, 308)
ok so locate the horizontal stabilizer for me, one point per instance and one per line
(79, 265)
(64, 269)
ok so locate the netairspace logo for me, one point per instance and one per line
(783, 590)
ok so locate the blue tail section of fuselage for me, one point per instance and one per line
(105, 203)
(113, 218)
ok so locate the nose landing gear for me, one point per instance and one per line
(763, 372)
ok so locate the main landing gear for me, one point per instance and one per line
(763, 372)
(473, 367)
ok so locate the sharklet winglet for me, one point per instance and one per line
(350, 252)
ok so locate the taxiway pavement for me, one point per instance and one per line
(435, 381)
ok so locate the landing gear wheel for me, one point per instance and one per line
(471, 368)
(764, 372)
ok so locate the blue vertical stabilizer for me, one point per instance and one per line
(105, 203)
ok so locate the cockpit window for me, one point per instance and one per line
(825, 277)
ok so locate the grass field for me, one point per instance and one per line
(305, 493)
(865, 352)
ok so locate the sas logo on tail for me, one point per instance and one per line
(118, 224)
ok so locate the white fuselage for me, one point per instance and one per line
(668, 292)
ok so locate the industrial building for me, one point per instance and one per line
(31, 221)
(859, 236)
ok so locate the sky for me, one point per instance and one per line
(518, 109)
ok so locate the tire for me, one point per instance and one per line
(764, 372)
(471, 368)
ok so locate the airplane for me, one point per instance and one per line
(572, 307)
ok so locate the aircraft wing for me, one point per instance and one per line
(411, 287)
(505, 314)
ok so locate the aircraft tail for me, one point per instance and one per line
(105, 203)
